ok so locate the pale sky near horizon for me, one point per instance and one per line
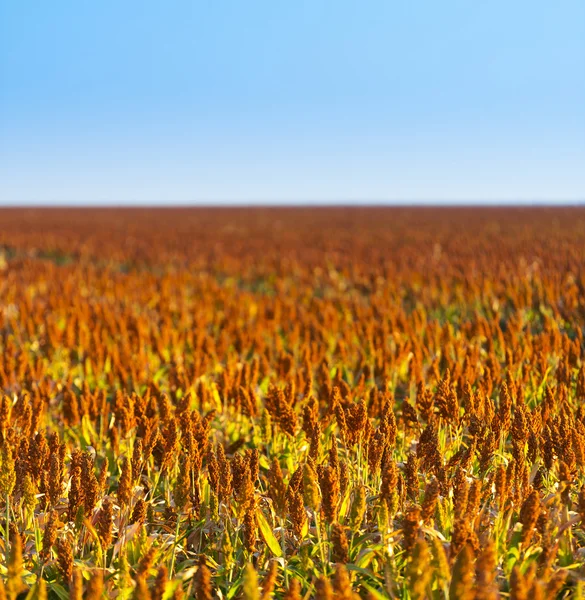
(266, 101)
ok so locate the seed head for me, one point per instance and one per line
(65, 558)
(277, 487)
(296, 511)
(160, 583)
(485, 573)
(139, 512)
(14, 584)
(358, 508)
(529, 514)
(329, 484)
(339, 544)
(250, 530)
(50, 534)
(323, 589)
(411, 527)
(7, 470)
(76, 586)
(95, 585)
(311, 491)
(269, 581)
(250, 589)
(294, 591)
(125, 484)
(461, 587)
(202, 584)
(104, 523)
(342, 583)
(418, 575)
(182, 488)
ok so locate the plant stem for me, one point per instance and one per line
(175, 546)
(7, 531)
(283, 546)
(320, 542)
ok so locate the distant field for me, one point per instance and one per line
(292, 403)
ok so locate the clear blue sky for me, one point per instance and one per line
(125, 101)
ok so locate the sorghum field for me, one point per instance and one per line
(292, 403)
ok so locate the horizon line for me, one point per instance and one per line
(423, 203)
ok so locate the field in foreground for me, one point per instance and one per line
(292, 403)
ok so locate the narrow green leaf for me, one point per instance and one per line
(268, 535)
(58, 590)
(375, 593)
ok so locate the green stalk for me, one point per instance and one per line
(156, 482)
(283, 547)
(7, 531)
(171, 570)
(320, 542)
(359, 461)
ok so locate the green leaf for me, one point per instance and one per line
(374, 593)
(159, 374)
(234, 588)
(364, 572)
(268, 535)
(58, 590)
(171, 588)
(365, 557)
(87, 431)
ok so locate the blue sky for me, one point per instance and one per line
(120, 101)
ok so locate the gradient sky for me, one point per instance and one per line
(123, 101)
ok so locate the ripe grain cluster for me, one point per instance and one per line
(292, 403)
